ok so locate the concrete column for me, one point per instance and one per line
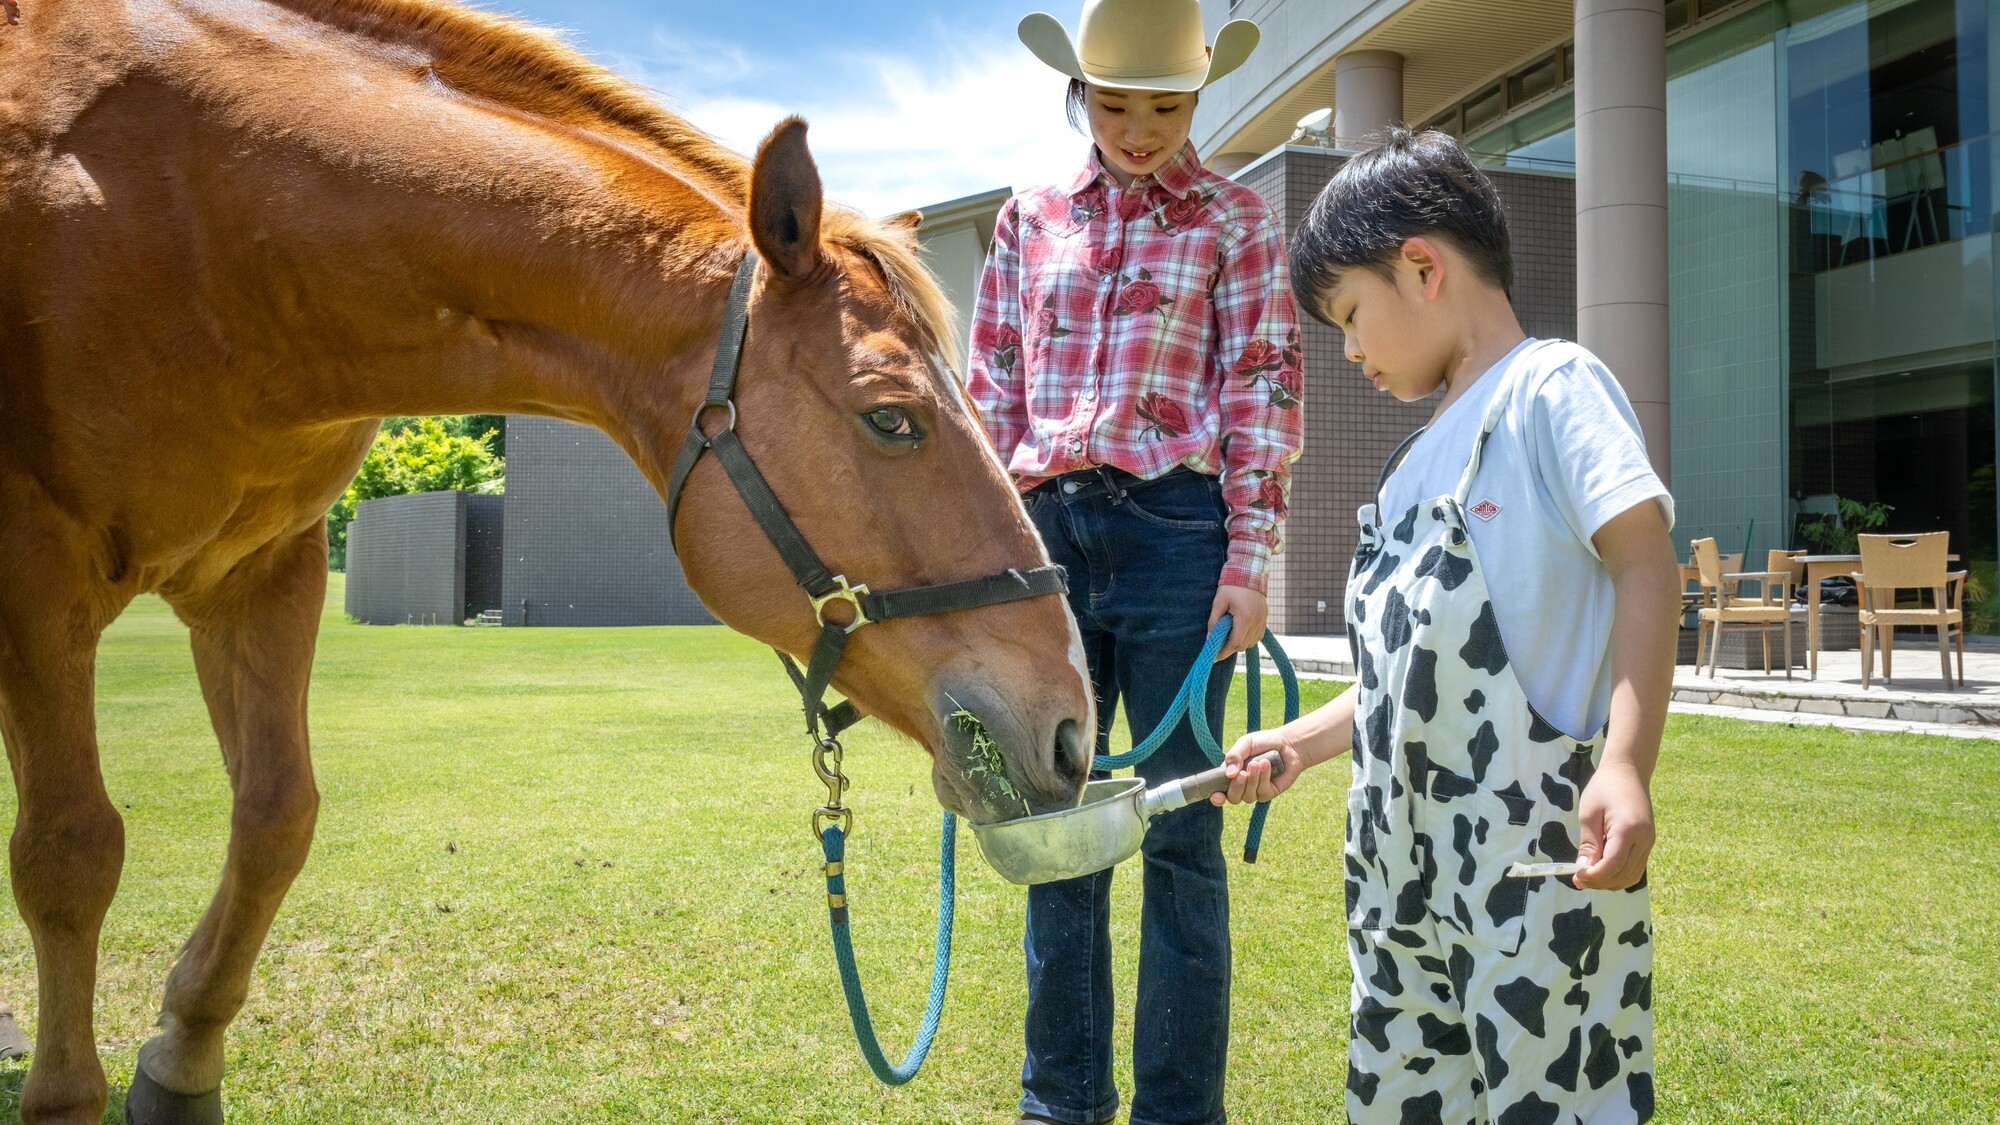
(1229, 163)
(1367, 95)
(1621, 204)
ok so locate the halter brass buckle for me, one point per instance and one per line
(852, 595)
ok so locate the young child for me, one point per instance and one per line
(1513, 590)
(1135, 357)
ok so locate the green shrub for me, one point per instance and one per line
(418, 455)
(1838, 535)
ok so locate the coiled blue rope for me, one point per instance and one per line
(1191, 701)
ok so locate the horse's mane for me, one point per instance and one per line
(531, 69)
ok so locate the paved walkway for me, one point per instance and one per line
(1916, 702)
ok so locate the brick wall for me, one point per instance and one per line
(1350, 427)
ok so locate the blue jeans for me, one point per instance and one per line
(1144, 559)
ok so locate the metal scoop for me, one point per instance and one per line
(1106, 828)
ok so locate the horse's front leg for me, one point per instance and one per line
(253, 636)
(69, 842)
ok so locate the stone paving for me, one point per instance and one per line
(1916, 702)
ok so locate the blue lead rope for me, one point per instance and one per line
(1191, 701)
(834, 841)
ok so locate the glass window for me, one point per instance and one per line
(1726, 286)
(1887, 145)
(1543, 137)
(1887, 155)
(1532, 81)
(1483, 108)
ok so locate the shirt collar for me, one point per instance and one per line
(1177, 176)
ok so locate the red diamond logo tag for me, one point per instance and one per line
(1485, 510)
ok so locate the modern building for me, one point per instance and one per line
(1781, 234)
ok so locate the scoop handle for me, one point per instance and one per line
(1202, 785)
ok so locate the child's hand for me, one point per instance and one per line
(1254, 781)
(1617, 823)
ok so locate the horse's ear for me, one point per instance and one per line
(785, 202)
(904, 226)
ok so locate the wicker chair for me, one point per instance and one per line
(1723, 608)
(1693, 600)
(1909, 562)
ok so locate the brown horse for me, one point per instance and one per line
(237, 233)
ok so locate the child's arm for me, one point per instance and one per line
(1304, 742)
(1617, 806)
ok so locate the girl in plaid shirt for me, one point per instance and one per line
(1135, 355)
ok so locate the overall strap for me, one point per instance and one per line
(1389, 466)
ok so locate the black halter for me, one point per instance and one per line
(822, 586)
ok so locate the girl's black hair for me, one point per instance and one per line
(1411, 185)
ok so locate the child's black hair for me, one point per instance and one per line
(1410, 185)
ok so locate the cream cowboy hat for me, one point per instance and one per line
(1139, 45)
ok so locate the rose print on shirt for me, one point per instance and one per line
(1282, 370)
(1140, 295)
(1086, 208)
(1164, 417)
(1182, 212)
(1108, 260)
(1045, 326)
(1006, 347)
(1270, 493)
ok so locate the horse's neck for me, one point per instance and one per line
(447, 255)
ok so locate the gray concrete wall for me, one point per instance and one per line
(485, 539)
(406, 560)
(586, 535)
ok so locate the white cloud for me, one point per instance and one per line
(890, 131)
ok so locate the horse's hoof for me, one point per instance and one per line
(149, 1103)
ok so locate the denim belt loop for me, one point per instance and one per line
(1112, 488)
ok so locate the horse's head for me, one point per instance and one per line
(847, 405)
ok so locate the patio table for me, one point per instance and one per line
(1818, 567)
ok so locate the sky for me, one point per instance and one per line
(909, 103)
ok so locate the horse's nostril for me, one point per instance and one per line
(1072, 759)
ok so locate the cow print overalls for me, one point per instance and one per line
(1477, 997)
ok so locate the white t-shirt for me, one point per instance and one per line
(1565, 457)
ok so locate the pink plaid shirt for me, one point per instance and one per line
(1144, 328)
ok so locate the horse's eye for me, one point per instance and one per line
(891, 421)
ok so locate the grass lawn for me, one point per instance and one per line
(565, 875)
